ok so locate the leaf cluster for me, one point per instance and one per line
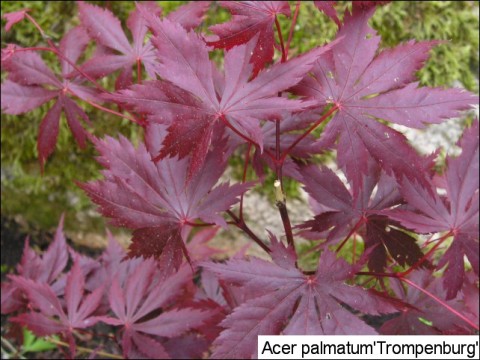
(405, 223)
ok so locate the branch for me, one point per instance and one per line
(241, 225)
(281, 203)
(244, 178)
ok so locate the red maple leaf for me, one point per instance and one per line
(106, 30)
(14, 17)
(44, 268)
(327, 7)
(290, 124)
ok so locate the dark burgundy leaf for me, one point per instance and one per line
(104, 27)
(163, 242)
(106, 30)
(186, 347)
(52, 318)
(17, 99)
(190, 15)
(72, 46)
(46, 269)
(31, 83)
(365, 5)
(48, 133)
(198, 245)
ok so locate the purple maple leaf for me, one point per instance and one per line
(365, 86)
(118, 53)
(106, 30)
(14, 17)
(187, 99)
(44, 268)
(327, 7)
(51, 317)
(136, 304)
(291, 302)
(457, 213)
(155, 199)
(289, 124)
(342, 210)
(31, 83)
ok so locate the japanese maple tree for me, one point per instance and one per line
(381, 210)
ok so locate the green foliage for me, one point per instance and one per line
(40, 199)
(31, 343)
(456, 22)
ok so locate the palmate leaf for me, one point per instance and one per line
(51, 317)
(291, 302)
(106, 30)
(145, 293)
(189, 101)
(327, 7)
(155, 199)
(366, 86)
(344, 209)
(44, 268)
(457, 213)
(31, 83)
(250, 19)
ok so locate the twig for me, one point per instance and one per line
(241, 225)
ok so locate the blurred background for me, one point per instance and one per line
(32, 203)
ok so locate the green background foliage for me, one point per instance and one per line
(41, 199)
